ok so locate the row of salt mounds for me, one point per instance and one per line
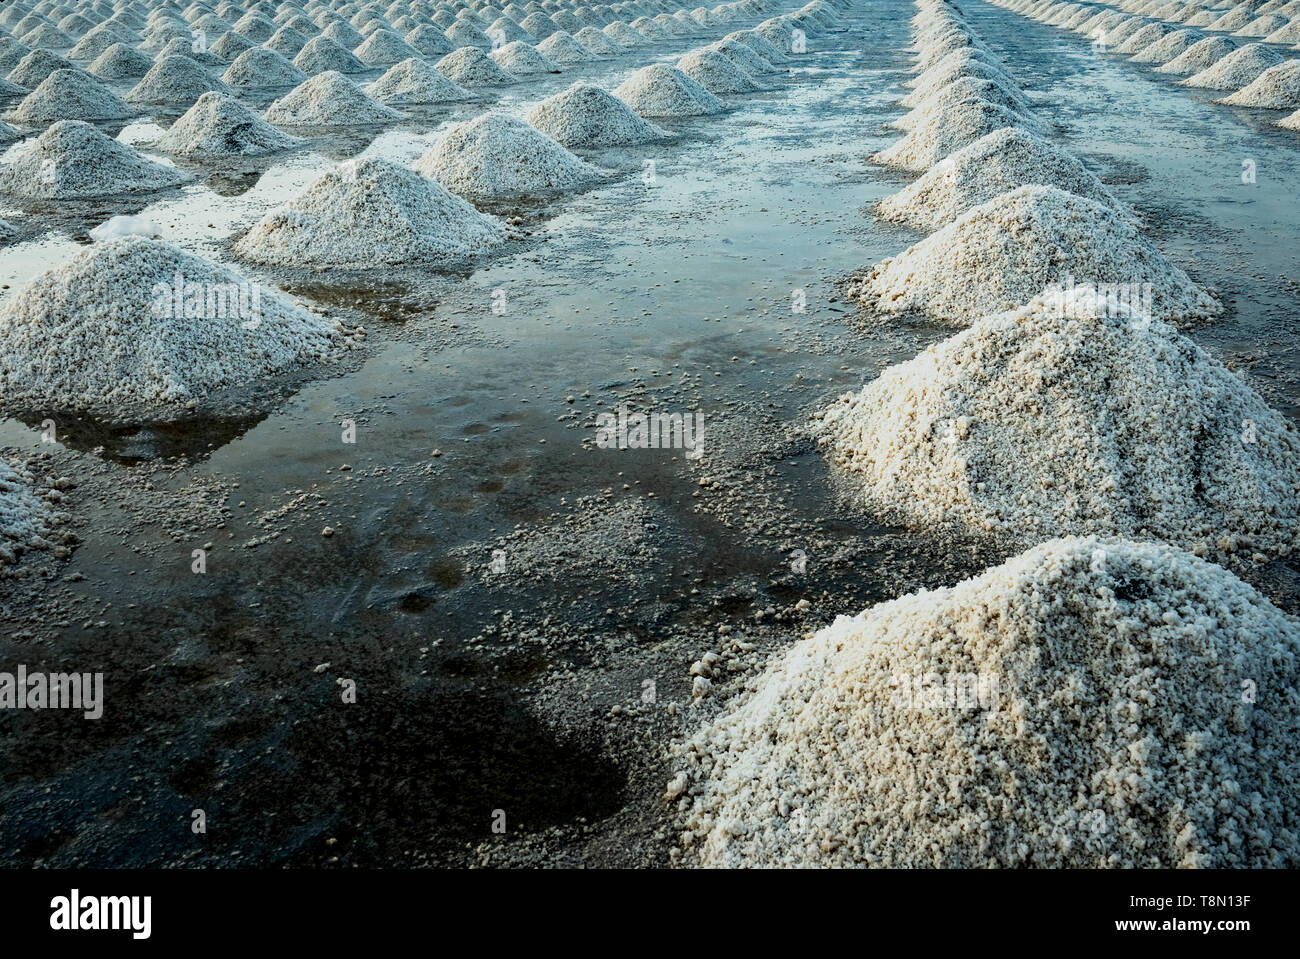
(992, 165)
(1277, 88)
(1009, 250)
(587, 116)
(834, 757)
(663, 91)
(1068, 416)
(326, 100)
(26, 517)
(72, 160)
(413, 82)
(218, 126)
(1237, 69)
(70, 95)
(91, 334)
(367, 213)
(497, 156)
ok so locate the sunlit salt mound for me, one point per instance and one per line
(329, 100)
(383, 48)
(499, 156)
(35, 67)
(70, 95)
(120, 62)
(260, 67)
(1005, 252)
(73, 160)
(1169, 47)
(561, 48)
(1277, 88)
(219, 126)
(521, 60)
(662, 91)
(1010, 721)
(992, 165)
(625, 36)
(1237, 69)
(950, 71)
(585, 116)
(760, 45)
(321, 55)
(110, 327)
(369, 213)
(414, 81)
(1143, 38)
(175, 80)
(429, 40)
(745, 58)
(1262, 26)
(597, 42)
(716, 73)
(471, 67)
(1234, 19)
(963, 89)
(1199, 56)
(465, 34)
(948, 128)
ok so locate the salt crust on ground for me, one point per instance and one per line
(1070, 416)
(1119, 735)
(220, 126)
(87, 335)
(329, 99)
(497, 156)
(26, 517)
(73, 160)
(663, 91)
(415, 81)
(367, 213)
(587, 116)
(1009, 250)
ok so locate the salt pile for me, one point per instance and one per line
(35, 67)
(219, 126)
(383, 48)
(184, 47)
(174, 79)
(26, 517)
(1277, 88)
(98, 40)
(1234, 19)
(413, 81)
(103, 329)
(1167, 48)
(1143, 38)
(464, 34)
(230, 45)
(538, 25)
(961, 90)
(945, 130)
(519, 59)
(1237, 69)
(745, 58)
(597, 42)
(260, 67)
(71, 95)
(471, 67)
(1291, 122)
(1262, 26)
(760, 45)
(287, 42)
(343, 35)
(716, 73)
(322, 55)
(326, 100)
(1079, 706)
(120, 62)
(1288, 34)
(367, 213)
(1199, 56)
(1009, 250)
(625, 36)
(73, 160)
(587, 116)
(430, 41)
(562, 48)
(662, 91)
(503, 30)
(499, 156)
(992, 165)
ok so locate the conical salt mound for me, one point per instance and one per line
(1074, 415)
(561, 48)
(344, 35)
(471, 67)
(414, 81)
(539, 25)
(429, 41)
(329, 100)
(322, 55)
(1009, 250)
(219, 126)
(286, 42)
(594, 40)
(184, 47)
(499, 156)
(586, 116)
(503, 30)
(946, 74)
(627, 38)
(1080, 706)
(962, 89)
(35, 67)
(992, 165)
(120, 62)
(110, 326)
(72, 160)
(947, 129)
(464, 34)
(383, 48)
(27, 517)
(177, 80)
(663, 91)
(1237, 69)
(98, 40)
(70, 95)
(1277, 88)
(760, 45)
(1199, 56)
(230, 45)
(260, 67)
(1169, 47)
(369, 213)
(745, 58)
(521, 60)
(717, 74)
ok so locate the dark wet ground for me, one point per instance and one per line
(476, 693)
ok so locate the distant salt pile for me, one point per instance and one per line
(110, 326)
(120, 62)
(1199, 56)
(1262, 26)
(1004, 160)
(895, 738)
(471, 67)
(184, 47)
(286, 42)
(368, 213)
(260, 67)
(412, 82)
(539, 25)
(174, 79)
(970, 268)
(323, 55)
(496, 156)
(650, 30)
(1277, 88)
(383, 48)
(503, 30)
(586, 116)
(1115, 37)
(662, 91)
(1169, 47)
(327, 100)
(72, 160)
(943, 75)
(716, 73)
(344, 35)
(560, 47)
(962, 90)
(946, 129)
(429, 40)
(760, 45)
(597, 42)
(1234, 19)
(745, 58)
(257, 28)
(1288, 34)
(521, 60)
(1143, 38)
(98, 40)
(219, 126)
(1237, 69)
(27, 517)
(625, 36)
(464, 34)
(70, 95)
(230, 45)
(35, 67)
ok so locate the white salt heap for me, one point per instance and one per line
(1199, 56)
(383, 48)
(1169, 47)
(587, 116)
(960, 90)
(219, 126)
(561, 48)
(414, 81)
(322, 54)
(103, 329)
(497, 156)
(430, 41)
(992, 165)
(72, 160)
(70, 95)
(716, 73)
(1079, 706)
(120, 62)
(1237, 69)
(1277, 88)
(471, 67)
(663, 91)
(329, 99)
(367, 213)
(946, 129)
(745, 58)
(36, 66)
(27, 514)
(1007, 251)
(521, 60)
(174, 79)
(260, 67)
(597, 42)
(1074, 415)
